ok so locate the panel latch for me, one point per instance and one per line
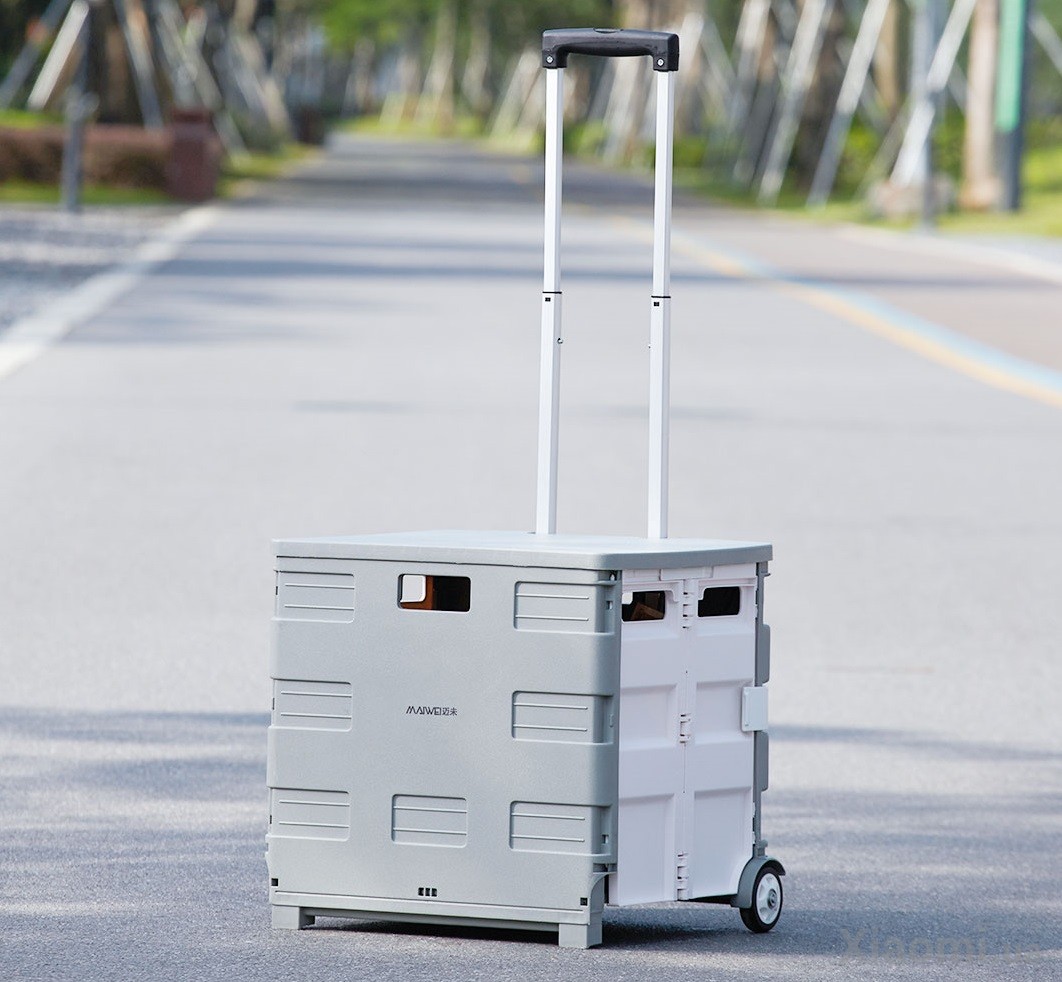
(753, 708)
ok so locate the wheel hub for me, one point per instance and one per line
(768, 897)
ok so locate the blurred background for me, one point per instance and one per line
(842, 105)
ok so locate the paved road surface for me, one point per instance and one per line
(45, 252)
(355, 350)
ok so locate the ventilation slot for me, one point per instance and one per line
(720, 601)
(429, 821)
(561, 718)
(568, 607)
(312, 705)
(644, 605)
(580, 830)
(302, 814)
(315, 597)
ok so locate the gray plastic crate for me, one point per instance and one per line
(515, 729)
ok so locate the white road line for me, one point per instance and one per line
(28, 338)
(951, 248)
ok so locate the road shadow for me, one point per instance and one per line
(147, 830)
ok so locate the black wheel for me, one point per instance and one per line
(766, 902)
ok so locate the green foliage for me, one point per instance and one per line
(585, 139)
(513, 24)
(689, 151)
(518, 24)
(348, 21)
(1045, 134)
(863, 143)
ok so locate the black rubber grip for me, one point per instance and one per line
(610, 42)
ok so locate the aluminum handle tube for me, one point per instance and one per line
(660, 313)
(549, 370)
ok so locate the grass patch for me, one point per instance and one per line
(236, 174)
(1041, 212)
(239, 172)
(463, 127)
(30, 193)
(518, 142)
(714, 185)
(20, 119)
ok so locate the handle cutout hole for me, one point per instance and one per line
(425, 591)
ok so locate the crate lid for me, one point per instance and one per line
(527, 549)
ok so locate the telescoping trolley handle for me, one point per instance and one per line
(663, 48)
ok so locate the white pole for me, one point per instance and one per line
(855, 80)
(908, 164)
(796, 79)
(27, 57)
(549, 372)
(60, 54)
(143, 70)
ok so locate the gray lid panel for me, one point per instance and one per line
(528, 549)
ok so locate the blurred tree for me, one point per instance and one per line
(346, 22)
(16, 16)
(512, 25)
(436, 104)
(465, 43)
(887, 72)
(821, 97)
(980, 185)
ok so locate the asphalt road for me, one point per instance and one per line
(355, 350)
(45, 252)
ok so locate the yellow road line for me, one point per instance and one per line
(877, 323)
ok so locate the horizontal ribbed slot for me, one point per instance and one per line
(312, 705)
(306, 814)
(429, 821)
(315, 597)
(556, 607)
(561, 718)
(542, 827)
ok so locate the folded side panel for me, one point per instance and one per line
(722, 836)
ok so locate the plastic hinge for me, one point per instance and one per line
(682, 876)
(688, 609)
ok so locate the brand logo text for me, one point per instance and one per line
(431, 711)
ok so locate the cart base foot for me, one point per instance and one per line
(579, 935)
(290, 918)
